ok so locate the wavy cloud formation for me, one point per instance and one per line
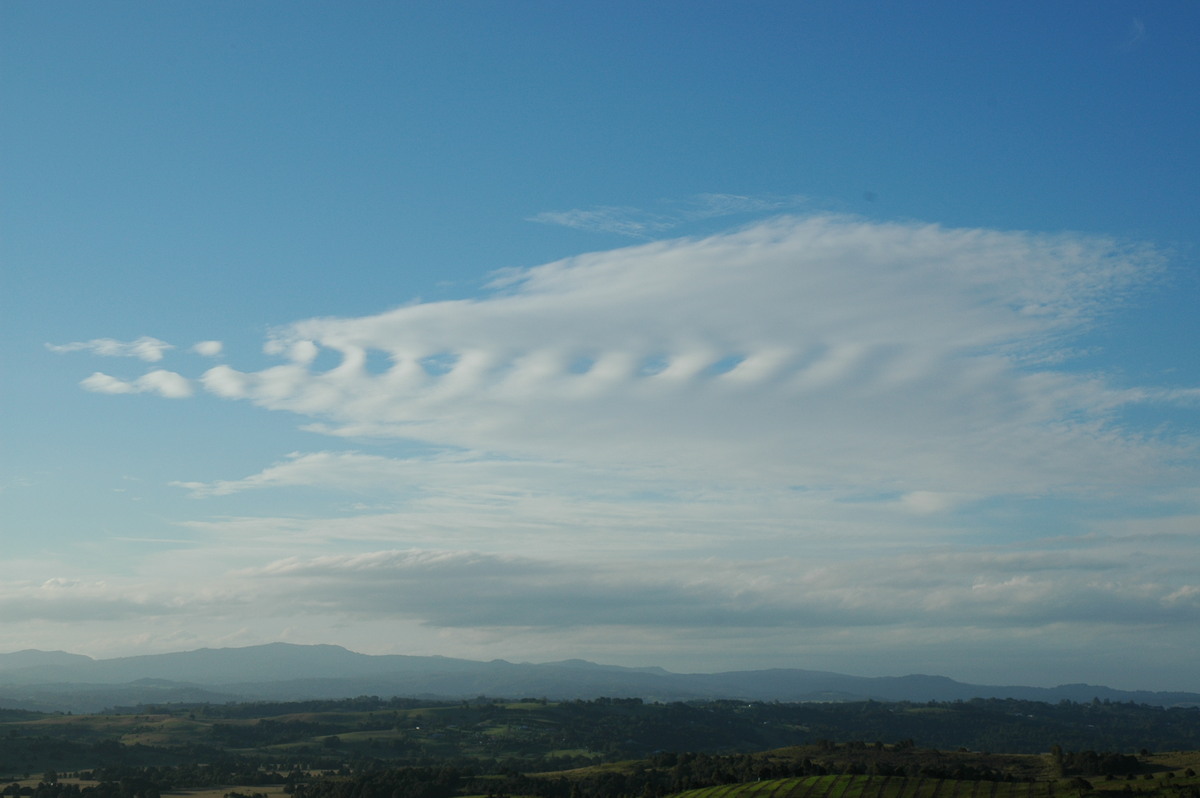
(895, 358)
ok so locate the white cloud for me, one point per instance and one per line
(167, 384)
(100, 382)
(208, 348)
(225, 382)
(820, 351)
(144, 348)
(821, 430)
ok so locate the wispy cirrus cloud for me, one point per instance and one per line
(145, 348)
(624, 221)
(645, 224)
(1135, 35)
(352, 471)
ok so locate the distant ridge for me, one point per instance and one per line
(32, 658)
(60, 681)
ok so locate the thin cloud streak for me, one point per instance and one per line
(145, 348)
(645, 224)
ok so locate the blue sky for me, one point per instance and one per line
(711, 335)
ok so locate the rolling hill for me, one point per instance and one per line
(60, 681)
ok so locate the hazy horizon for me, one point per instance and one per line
(284, 675)
(831, 336)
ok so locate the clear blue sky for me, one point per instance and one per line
(712, 335)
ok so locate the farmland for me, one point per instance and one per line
(1168, 774)
(607, 748)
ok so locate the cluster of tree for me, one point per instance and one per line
(10, 715)
(661, 774)
(134, 787)
(1090, 763)
(996, 724)
(440, 782)
(25, 755)
(493, 737)
(628, 726)
(267, 709)
(269, 732)
(150, 782)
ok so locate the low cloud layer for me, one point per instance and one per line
(473, 589)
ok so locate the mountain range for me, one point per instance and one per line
(64, 682)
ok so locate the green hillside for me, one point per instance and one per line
(608, 748)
